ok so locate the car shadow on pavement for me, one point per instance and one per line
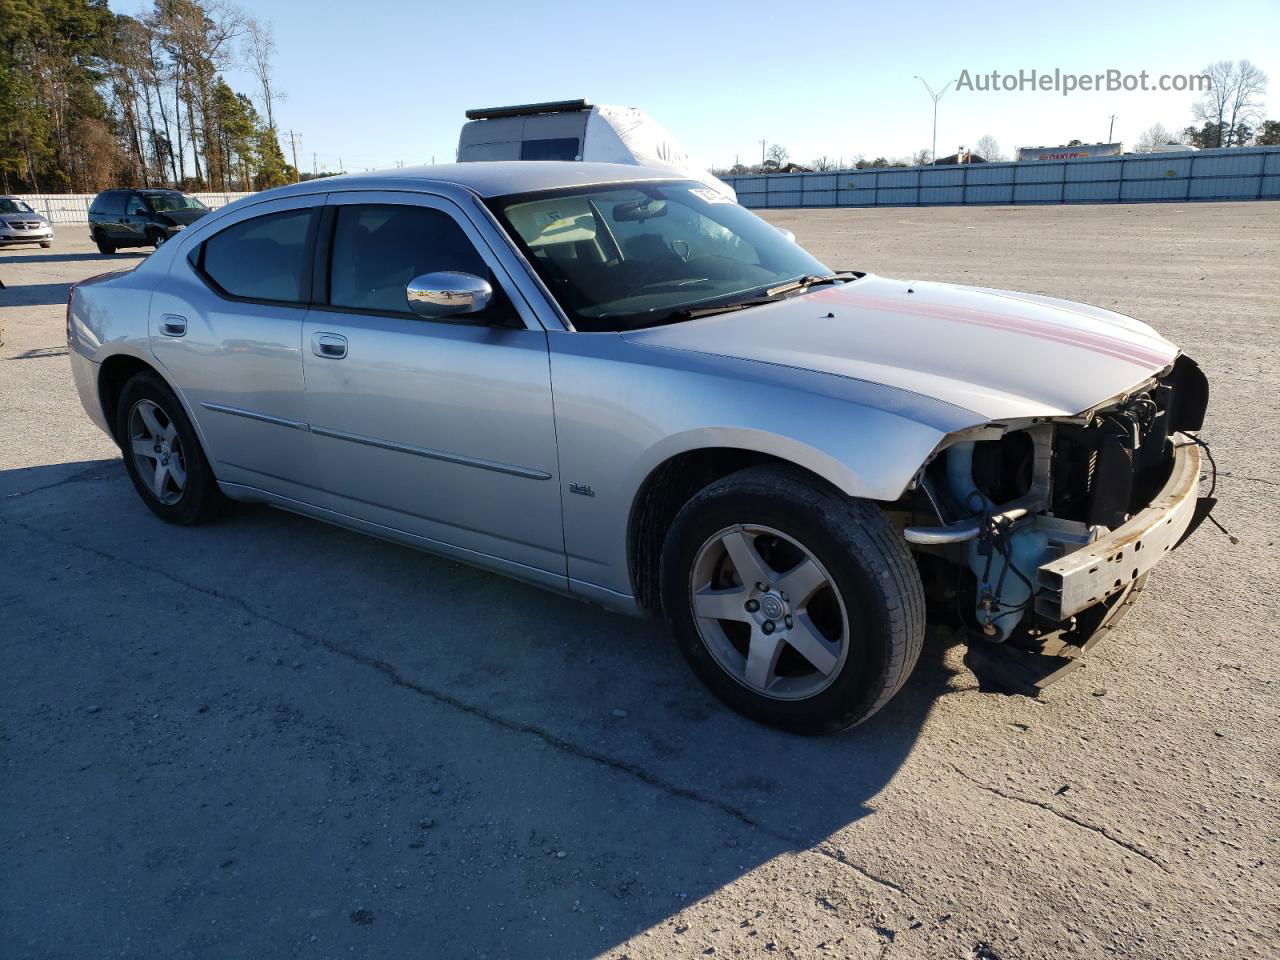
(124, 255)
(270, 718)
(33, 294)
(38, 353)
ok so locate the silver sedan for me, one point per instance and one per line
(627, 388)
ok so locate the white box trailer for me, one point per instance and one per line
(577, 130)
(1079, 151)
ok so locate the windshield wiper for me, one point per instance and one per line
(813, 280)
(771, 295)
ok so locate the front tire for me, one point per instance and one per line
(162, 453)
(46, 244)
(157, 238)
(797, 605)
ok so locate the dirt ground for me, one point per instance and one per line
(272, 738)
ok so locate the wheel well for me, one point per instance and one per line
(115, 373)
(664, 492)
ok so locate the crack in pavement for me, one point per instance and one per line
(839, 856)
(1101, 831)
(1270, 483)
(392, 673)
(77, 477)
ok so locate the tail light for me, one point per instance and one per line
(71, 290)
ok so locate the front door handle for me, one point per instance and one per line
(331, 346)
(172, 325)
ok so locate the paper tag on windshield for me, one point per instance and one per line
(709, 195)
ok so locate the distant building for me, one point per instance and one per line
(964, 156)
(1080, 151)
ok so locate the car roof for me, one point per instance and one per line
(491, 178)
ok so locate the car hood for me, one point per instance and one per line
(25, 216)
(999, 354)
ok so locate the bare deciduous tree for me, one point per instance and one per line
(777, 153)
(1233, 100)
(259, 48)
(1156, 136)
(1244, 108)
(988, 148)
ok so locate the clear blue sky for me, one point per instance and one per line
(382, 81)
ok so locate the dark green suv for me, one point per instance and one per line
(140, 218)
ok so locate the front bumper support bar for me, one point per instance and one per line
(1089, 575)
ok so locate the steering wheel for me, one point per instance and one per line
(676, 245)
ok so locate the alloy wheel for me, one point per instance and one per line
(157, 452)
(769, 612)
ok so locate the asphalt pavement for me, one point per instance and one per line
(268, 737)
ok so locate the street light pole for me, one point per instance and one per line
(933, 153)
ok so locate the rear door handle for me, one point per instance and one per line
(331, 346)
(172, 325)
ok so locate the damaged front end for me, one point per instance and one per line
(1053, 517)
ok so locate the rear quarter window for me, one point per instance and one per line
(266, 258)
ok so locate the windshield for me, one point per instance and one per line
(10, 205)
(619, 258)
(164, 202)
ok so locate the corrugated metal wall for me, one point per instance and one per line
(74, 207)
(1242, 173)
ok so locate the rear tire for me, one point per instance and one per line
(162, 453)
(105, 246)
(832, 568)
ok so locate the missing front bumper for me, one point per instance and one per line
(1103, 568)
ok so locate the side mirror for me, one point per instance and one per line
(446, 294)
(786, 233)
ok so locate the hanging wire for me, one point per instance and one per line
(1213, 486)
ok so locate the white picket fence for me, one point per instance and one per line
(74, 207)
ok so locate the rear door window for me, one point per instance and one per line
(266, 258)
(137, 207)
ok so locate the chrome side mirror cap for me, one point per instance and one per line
(447, 293)
(786, 233)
